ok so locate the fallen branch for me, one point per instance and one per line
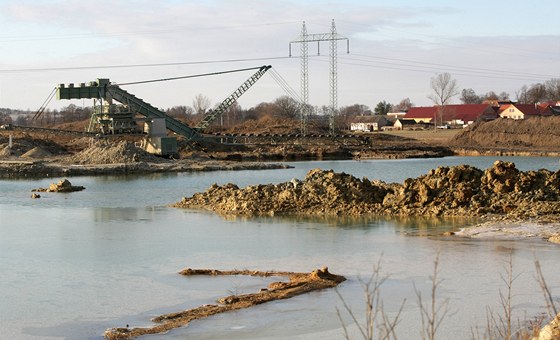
(299, 283)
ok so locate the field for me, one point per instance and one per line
(435, 137)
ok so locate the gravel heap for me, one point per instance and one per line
(104, 152)
(446, 191)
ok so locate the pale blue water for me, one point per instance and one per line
(75, 264)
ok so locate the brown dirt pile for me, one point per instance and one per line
(36, 152)
(535, 132)
(63, 185)
(299, 283)
(31, 147)
(268, 125)
(106, 152)
(446, 191)
(550, 331)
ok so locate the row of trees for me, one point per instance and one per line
(549, 91)
(443, 89)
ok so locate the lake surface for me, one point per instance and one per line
(76, 264)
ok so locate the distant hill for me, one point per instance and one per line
(536, 133)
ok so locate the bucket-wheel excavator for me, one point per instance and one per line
(110, 118)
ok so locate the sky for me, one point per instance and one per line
(395, 48)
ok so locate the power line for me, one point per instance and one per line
(71, 68)
(431, 70)
(465, 68)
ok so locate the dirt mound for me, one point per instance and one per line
(105, 152)
(60, 186)
(5, 150)
(550, 331)
(36, 152)
(453, 191)
(535, 132)
(24, 142)
(80, 125)
(269, 125)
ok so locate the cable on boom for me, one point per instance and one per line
(44, 105)
(186, 77)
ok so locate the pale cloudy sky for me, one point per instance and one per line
(395, 47)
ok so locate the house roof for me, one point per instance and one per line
(465, 112)
(406, 121)
(529, 109)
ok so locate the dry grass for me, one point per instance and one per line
(436, 137)
(500, 325)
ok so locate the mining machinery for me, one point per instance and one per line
(112, 118)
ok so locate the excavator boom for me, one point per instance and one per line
(214, 114)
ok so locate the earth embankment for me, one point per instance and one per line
(536, 135)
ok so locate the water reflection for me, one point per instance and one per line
(409, 225)
(103, 214)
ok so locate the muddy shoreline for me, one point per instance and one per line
(41, 169)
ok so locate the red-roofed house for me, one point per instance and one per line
(523, 111)
(452, 114)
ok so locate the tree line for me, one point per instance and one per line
(443, 88)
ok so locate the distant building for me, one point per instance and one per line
(524, 111)
(402, 124)
(368, 123)
(461, 115)
(395, 115)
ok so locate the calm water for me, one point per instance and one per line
(75, 264)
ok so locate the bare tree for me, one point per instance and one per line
(287, 107)
(503, 96)
(261, 110)
(201, 104)
(232, 115)
(552, 89)
(491, 96)
(536, 93)
(521, 95)
(444, 88)
(5, 118)
(354, 110)
(468, 96)
(404, 105)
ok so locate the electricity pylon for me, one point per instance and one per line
(304, 39)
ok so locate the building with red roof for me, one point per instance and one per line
(523, 111)
(464, 114)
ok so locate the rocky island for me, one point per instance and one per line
(501, 192)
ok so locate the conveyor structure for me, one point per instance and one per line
(113, 119)
(102, 89)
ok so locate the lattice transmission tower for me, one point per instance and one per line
(304, 39)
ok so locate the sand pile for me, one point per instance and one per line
(104, 152)
(5, 151)
(36, 152)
